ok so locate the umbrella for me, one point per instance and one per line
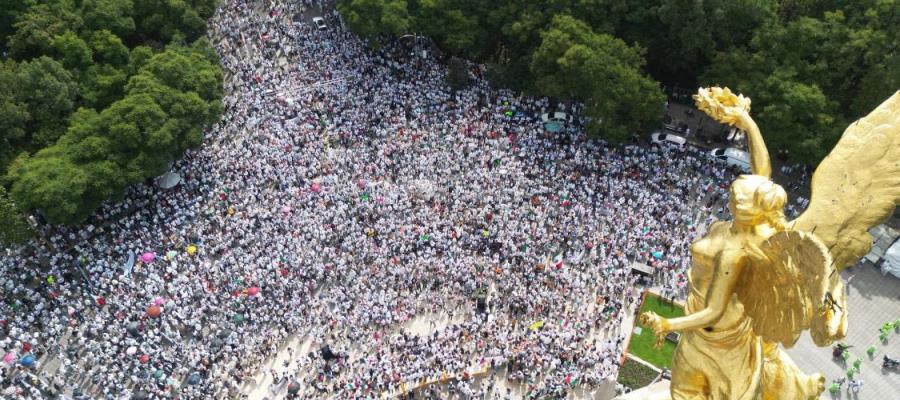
(316, 187)
(537, 325)
(253, 291)
(285, 209)
(159, 301)
(191, 249)
(168, 180)
(9, 358)
(154, 311)
(238, 318)
(294, 388)
(658, 255)
(144, 359)
(131, 351)
(361, 184)
(171, 254)
(129, 264)
(27, 361)
(148, 257)
(158, 374)
(193, 379)
(553, 126)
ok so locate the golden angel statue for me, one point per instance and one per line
(760, 280)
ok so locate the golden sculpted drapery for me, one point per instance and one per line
(760, 280)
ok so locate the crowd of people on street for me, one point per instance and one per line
(346, 192)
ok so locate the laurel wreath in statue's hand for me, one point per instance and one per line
(723, 105)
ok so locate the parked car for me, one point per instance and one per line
(733, 158)
(667, 139)
(319, 22)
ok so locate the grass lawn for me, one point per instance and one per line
(636, 375)
(641, 345)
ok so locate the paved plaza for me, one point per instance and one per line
(873, 300)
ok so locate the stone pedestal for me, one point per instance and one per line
(656, 391)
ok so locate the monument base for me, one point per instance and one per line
(656, 391)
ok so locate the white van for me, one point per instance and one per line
(667, 139)
(319, 23)
(733, 158)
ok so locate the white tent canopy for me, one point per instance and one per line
(891, 264)
(168, 180)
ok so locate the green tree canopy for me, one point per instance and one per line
(14, 115)
(95, 101)
(369, 18)
(51, 183)
(112, 15)
(48, 90)
(39, 25)
(604, 72)
(166, 105)
(72, 51)
(164, 20)
(810, 76)
(14, 227)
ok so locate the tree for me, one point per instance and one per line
(139, 56)
(457, 74)
(604, 72)
(166, 105)
(163, 20)
(138, 108)
(14, 226)
(13, 114)
(809, 76)
(682, 36)
(111, 15)
(39, 25)
(101, 85)
(10, 11)
(49, 182)
(109, 49)
(369, 18)
(49, 92)
(444, 23)
(72, 51)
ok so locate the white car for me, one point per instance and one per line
(667, 139)
(319, 23)
(733, 158)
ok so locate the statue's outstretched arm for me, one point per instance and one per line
(759, 155)
(721, 288)
(734, 109)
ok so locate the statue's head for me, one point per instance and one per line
(755, 200)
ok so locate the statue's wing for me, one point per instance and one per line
(783, 287)
(857, 186)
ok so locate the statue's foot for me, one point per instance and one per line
(817, 384)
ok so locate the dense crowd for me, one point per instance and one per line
(346, 192)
